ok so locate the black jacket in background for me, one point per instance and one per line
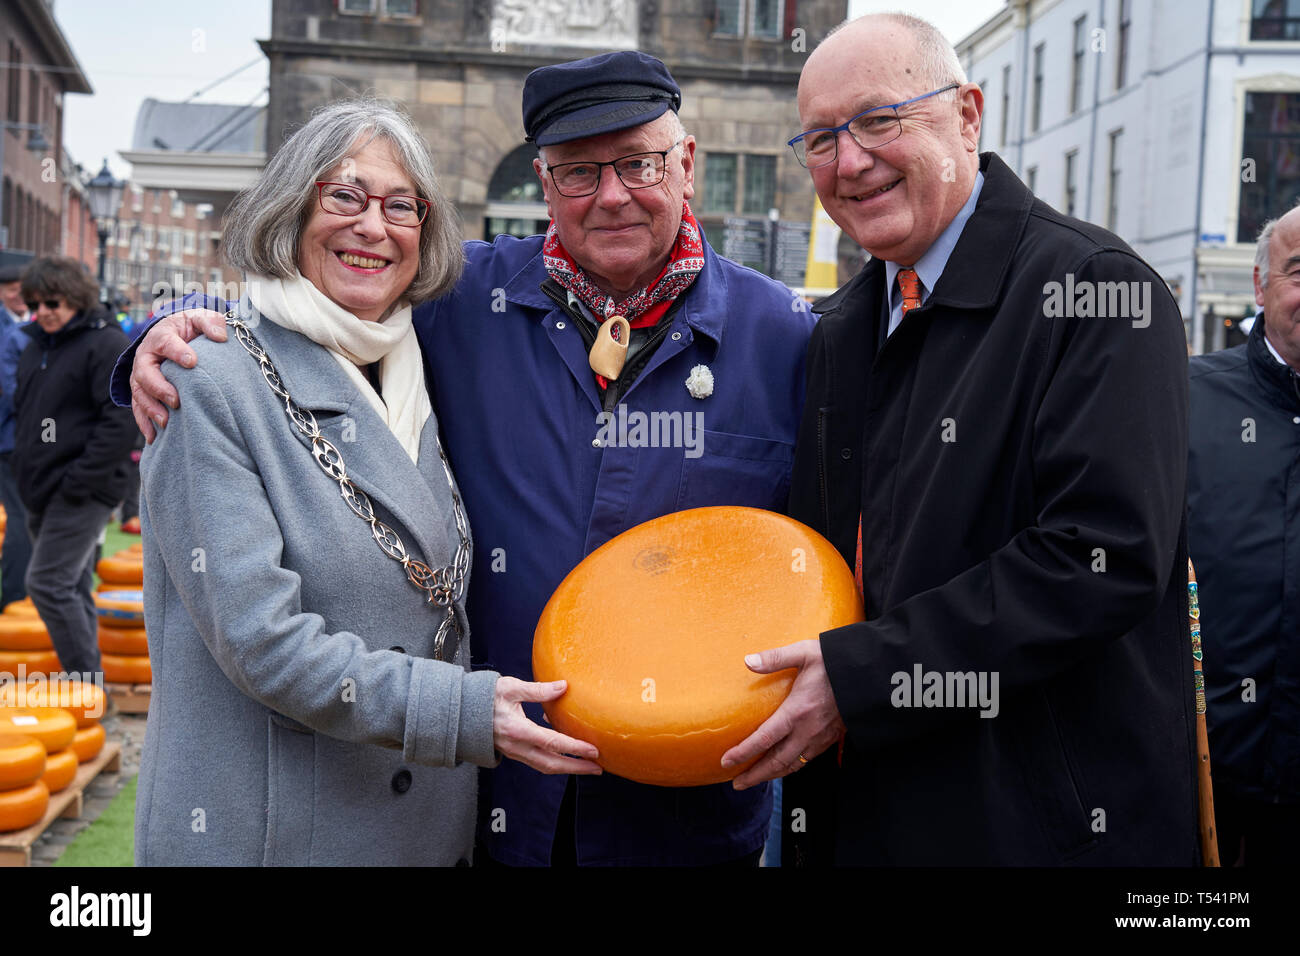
(1067, 443)
(1243, 495)
(63, 379)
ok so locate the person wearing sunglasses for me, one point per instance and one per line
(1006, 474)
(71, 448)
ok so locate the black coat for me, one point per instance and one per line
(69, 437)
(1243, 496)
(1000, 455)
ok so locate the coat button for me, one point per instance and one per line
(399, 648)
(402, 780)
(677, 336)
(559, 326)
(846, 453)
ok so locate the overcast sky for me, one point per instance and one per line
(170, 49)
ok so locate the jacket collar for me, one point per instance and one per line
(79, 323)
(1280, 382)
(701, 309)
(977, 269)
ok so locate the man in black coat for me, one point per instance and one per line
(1003, 429)
(71, 448)
(1243, 489)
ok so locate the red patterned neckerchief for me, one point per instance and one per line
(643, 308)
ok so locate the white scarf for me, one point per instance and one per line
(298, 305)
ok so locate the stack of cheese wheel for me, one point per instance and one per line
(651, 631)
(123, 570)
(123, 648)
(85, 702)
(25, 646)
(53, 730)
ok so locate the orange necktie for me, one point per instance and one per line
(909, 284)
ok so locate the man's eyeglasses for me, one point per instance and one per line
(635, 171)
(50, 304)
(346, 199)
(870, 129)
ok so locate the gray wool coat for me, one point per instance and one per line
(297, 717)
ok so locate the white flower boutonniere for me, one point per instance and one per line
(700, 382)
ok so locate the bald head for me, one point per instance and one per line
(896, 197)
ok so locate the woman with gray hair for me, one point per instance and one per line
(306, 550)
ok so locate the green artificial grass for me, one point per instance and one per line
(110, 840)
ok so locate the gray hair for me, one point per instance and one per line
(938, 64)
(1261, 250)
(264, 224)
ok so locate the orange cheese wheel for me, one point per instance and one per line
(126, 668)
(137, 548)
(19, 633)
(119, 571)
(22, 761)
(60, 769)
(88, 742)
(19, 809)
(86, 702)
(120, 608)
(54, 727)
(115, 640)
(651, 631)
(23, 608)
(32, 662)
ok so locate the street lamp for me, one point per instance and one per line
(36, 143)
(105, 194)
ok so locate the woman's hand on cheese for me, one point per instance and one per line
(518, 738)
(168, 339)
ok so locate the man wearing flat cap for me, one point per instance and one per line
(17, 547)
(521, 398)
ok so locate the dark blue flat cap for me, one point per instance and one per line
(595, 95)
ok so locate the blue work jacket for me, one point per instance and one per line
(519, 406)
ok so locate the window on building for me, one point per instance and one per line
(189, 242)
(8, 211)
(137, 198)
(357, 6)
(720, 183)
(387, 8)
(1036, 113)
(123, 233)
(137, 247)
(1071, 181)
(33, 98)
(13, 89)
(157, 201)
(760, 185)
(1031, 178)
(164, 239)
(178, 207)
(178, 244)
(148, 237)
(1112, 180)
(1006, 107)
(1076, 68)
(400, 8)
(1275, 20)
(759, 18)
(1121, 47)
(1270, 154)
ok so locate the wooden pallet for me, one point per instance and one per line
(16, 847)
(130, 698)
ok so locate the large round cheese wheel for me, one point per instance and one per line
(120, 608)
(126, 668)
(120, 571)
(23, 608)
(20, 633)
(88, 742)
(21, 808)
(54, 727)
(22, 760)
(60, 769)
(651, 631)
(131, 641)
(84, 701)
(28, 662)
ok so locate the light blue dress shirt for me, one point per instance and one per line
(931, 265)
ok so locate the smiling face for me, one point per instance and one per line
(896, 199)
(1281, 299)
(11, 297)
(621, 237)
(51, 320)
(362, 263)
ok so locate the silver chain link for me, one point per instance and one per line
(443, 587)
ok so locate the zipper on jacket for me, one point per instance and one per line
(821, 470)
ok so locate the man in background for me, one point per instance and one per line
(17, 547)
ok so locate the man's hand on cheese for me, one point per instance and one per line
(167, 340)
(807, 722)
(517, 737)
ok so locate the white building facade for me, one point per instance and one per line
(1173, 123)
